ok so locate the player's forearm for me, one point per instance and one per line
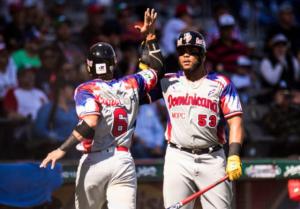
(154, 58)
(236, 135)
(69, 143)
(83, 130)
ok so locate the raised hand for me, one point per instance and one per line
(149, 20)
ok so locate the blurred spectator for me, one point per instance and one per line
(24, 101)
(286, 25)
(128, 63)
(14, 32)
(127, 18)
(8, 74)
(64, 41)
(283, 119)
(21, 105)
(223, 53)
(163, 9)
(243, 78)
(149, 133)
(70, 73)
(213, 29)
(112, 33)
(280, 65)
(56, 119)
(57, 8)
(33, 13)
(93, 31)
(174, 26)
(28, 56)
(51, 60)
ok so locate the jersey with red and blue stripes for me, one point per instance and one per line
(198, 110)
(116, 102)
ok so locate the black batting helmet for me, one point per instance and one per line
(101, 59)
(193, 39)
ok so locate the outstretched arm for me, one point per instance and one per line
(151, 54)
(83, 130)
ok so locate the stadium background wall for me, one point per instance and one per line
(262, 186)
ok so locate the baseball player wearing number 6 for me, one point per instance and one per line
(107, 109)
(199, 105)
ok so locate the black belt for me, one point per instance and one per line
(197, 151)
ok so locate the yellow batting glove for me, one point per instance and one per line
(234, 167)
(143, 66)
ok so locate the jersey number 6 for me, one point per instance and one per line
(120, 123)
(203, 120)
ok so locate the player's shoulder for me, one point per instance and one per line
(129, 81)
(172, 76)
(219, 78)
(89, 86)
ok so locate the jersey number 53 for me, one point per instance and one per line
(204, 120)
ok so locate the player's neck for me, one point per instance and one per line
(106, 78)
(196, 74)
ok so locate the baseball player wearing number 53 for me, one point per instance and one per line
(199, 105)
(107, 109)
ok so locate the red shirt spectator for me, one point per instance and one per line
(224, 52)
(25, 100)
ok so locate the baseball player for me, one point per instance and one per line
(199, 105)
(107, 109)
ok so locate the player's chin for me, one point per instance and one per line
(188, 69)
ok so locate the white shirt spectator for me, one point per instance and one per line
(171, 31)
(8, 78)
(25, 102)
(272, 74)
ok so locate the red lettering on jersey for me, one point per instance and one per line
(178, 115)
(192, 100)
(108, 102)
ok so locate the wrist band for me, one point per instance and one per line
(235, 149)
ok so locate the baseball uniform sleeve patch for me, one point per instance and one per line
(147, 79)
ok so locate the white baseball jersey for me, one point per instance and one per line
(197, 109)
(117, 104)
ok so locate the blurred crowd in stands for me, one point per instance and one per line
(42, 60)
